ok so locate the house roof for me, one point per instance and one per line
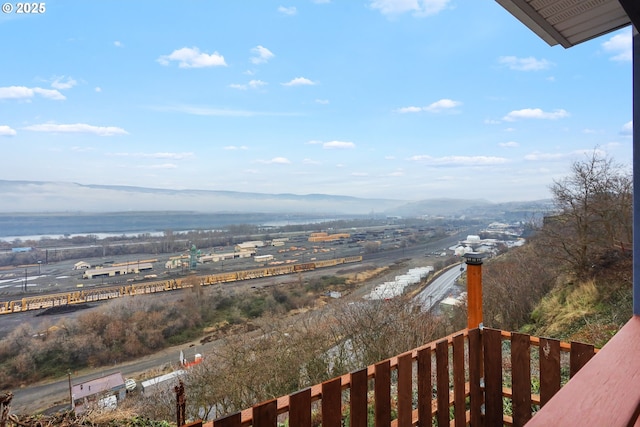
(569, 22)
(97, 386)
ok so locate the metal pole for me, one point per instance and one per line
(636, 172)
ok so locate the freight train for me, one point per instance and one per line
(106, 293)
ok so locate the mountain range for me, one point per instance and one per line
(48, 196)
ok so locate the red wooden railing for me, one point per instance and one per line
(474, 377)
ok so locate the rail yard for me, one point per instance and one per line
(106, 293)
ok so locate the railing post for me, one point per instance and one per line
(476, 378)
(181, 404)
(382, 394)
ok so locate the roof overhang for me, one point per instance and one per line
(569, 22)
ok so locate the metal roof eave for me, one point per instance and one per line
(568, 24)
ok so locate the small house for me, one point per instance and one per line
(99, 392)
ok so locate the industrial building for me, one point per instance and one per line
(81, 265)
(249, 245)
(326, 237)
(117, 270)
(225, 256)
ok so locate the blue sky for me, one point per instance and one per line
(401, 99)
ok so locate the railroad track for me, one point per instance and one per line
(42, 302)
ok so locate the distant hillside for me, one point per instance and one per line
(36, 196)
(510, 211)
(42, 196)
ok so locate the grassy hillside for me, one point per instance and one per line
(588, 310)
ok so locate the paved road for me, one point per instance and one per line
(440, 288)
(43, 396)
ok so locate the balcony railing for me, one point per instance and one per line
(474, 377)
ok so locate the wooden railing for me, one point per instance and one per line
(474, 377)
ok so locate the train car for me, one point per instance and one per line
(77, 297)
(328, 262)
(307, 266)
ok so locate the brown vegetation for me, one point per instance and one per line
(283, 356)
(129, 328)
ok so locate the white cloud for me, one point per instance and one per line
(359, 174)
(7, 131)
(235, 147)
(459, 160)
(288, 10)
(23, 92)
(299, 81)
(321, 1)
(62, 84)
(509, 144)
(172, 156)
(389, 157)
(620, 46)
(441, 105)
(193, 58)
(418, 7)
(322, 101)
(492, 122)
(535, 113)
(117, 43)
(313, 142)
(311, 162)
(253, 84)
(49, 94)
(262, 55)
(404, 110)
(627, 128)
(396, 173)
(78, 128)
(98, 89)
(276, 160)
(436, 107)
(524, 64)
(536, 155)
(338, 145)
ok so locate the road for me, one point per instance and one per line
(440, 287)
(55, 394)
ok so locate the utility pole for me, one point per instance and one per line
(70, 392)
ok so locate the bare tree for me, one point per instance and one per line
(370, 331)
(512, 286)
(594, 213)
